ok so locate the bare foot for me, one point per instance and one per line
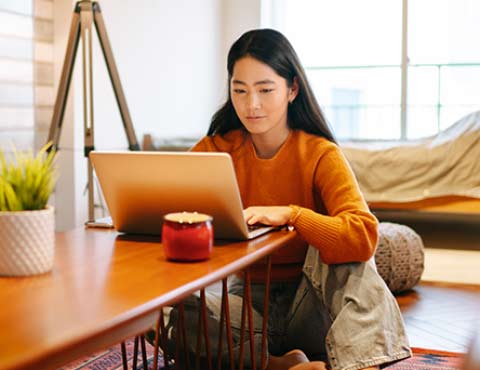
(287, 361)
(314, 365)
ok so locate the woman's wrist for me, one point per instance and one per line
(296, 210)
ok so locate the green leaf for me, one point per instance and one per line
(27, 182)
(12, 201)
(3, 204)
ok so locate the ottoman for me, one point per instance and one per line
(399, 256)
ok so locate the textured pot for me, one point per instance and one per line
(27, 242)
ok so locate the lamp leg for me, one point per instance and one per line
(85, 14)
(86, 22)
(64, 84)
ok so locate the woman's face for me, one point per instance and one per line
(260, 96)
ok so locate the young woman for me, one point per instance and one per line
(327, 300)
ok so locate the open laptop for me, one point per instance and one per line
(141, 187)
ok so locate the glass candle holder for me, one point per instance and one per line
(187, 236)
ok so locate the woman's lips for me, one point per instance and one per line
(255, 118)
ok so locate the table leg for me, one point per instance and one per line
(242, 332)
(248, 295)
(228, 324)
(205, 328)
(124, 356)
(144, 352)
(135, 354)
(160, 341)
(220, 331)
(163, 343)
(181, 329)
(265, 314)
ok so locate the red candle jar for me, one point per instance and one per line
(187, 236)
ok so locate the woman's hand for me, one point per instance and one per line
(272, 215)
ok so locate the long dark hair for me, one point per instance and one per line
(272, 48)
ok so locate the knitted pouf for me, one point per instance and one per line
(399, 256)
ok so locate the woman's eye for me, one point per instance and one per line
(266, 91)
(238, 91)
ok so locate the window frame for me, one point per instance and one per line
(270, 16)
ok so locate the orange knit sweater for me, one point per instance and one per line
(311, 173)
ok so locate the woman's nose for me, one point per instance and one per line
(253, 101)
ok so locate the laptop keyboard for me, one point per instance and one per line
(255, 226)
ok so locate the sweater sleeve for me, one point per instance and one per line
(348, 233)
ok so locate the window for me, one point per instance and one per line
(391, 70)
(26, 72)
(346, 118)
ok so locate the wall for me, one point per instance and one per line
(167, 56)
(171, 57)
(238, 16)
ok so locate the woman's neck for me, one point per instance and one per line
(268, 144)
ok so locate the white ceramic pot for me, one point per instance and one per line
(27, 242)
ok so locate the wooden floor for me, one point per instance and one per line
(441, 316)
(444, 314)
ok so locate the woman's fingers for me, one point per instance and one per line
(256, 220)
(271, 215)
(252, 215)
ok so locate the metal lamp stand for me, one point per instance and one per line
(85, 14)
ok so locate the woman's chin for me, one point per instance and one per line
(255, 129)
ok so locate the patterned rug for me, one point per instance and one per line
(429, 359)
(111, 359)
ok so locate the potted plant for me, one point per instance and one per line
(27, 223)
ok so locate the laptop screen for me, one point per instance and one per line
(141, 187)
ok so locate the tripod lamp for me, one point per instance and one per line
(85, 14)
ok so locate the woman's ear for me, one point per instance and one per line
(293, 90)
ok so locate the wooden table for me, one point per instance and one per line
(104, 288)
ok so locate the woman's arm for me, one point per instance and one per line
(348, 232)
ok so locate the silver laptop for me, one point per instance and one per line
(141, 187)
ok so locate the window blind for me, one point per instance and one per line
(26, 72)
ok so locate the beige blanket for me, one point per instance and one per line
(445, 164)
